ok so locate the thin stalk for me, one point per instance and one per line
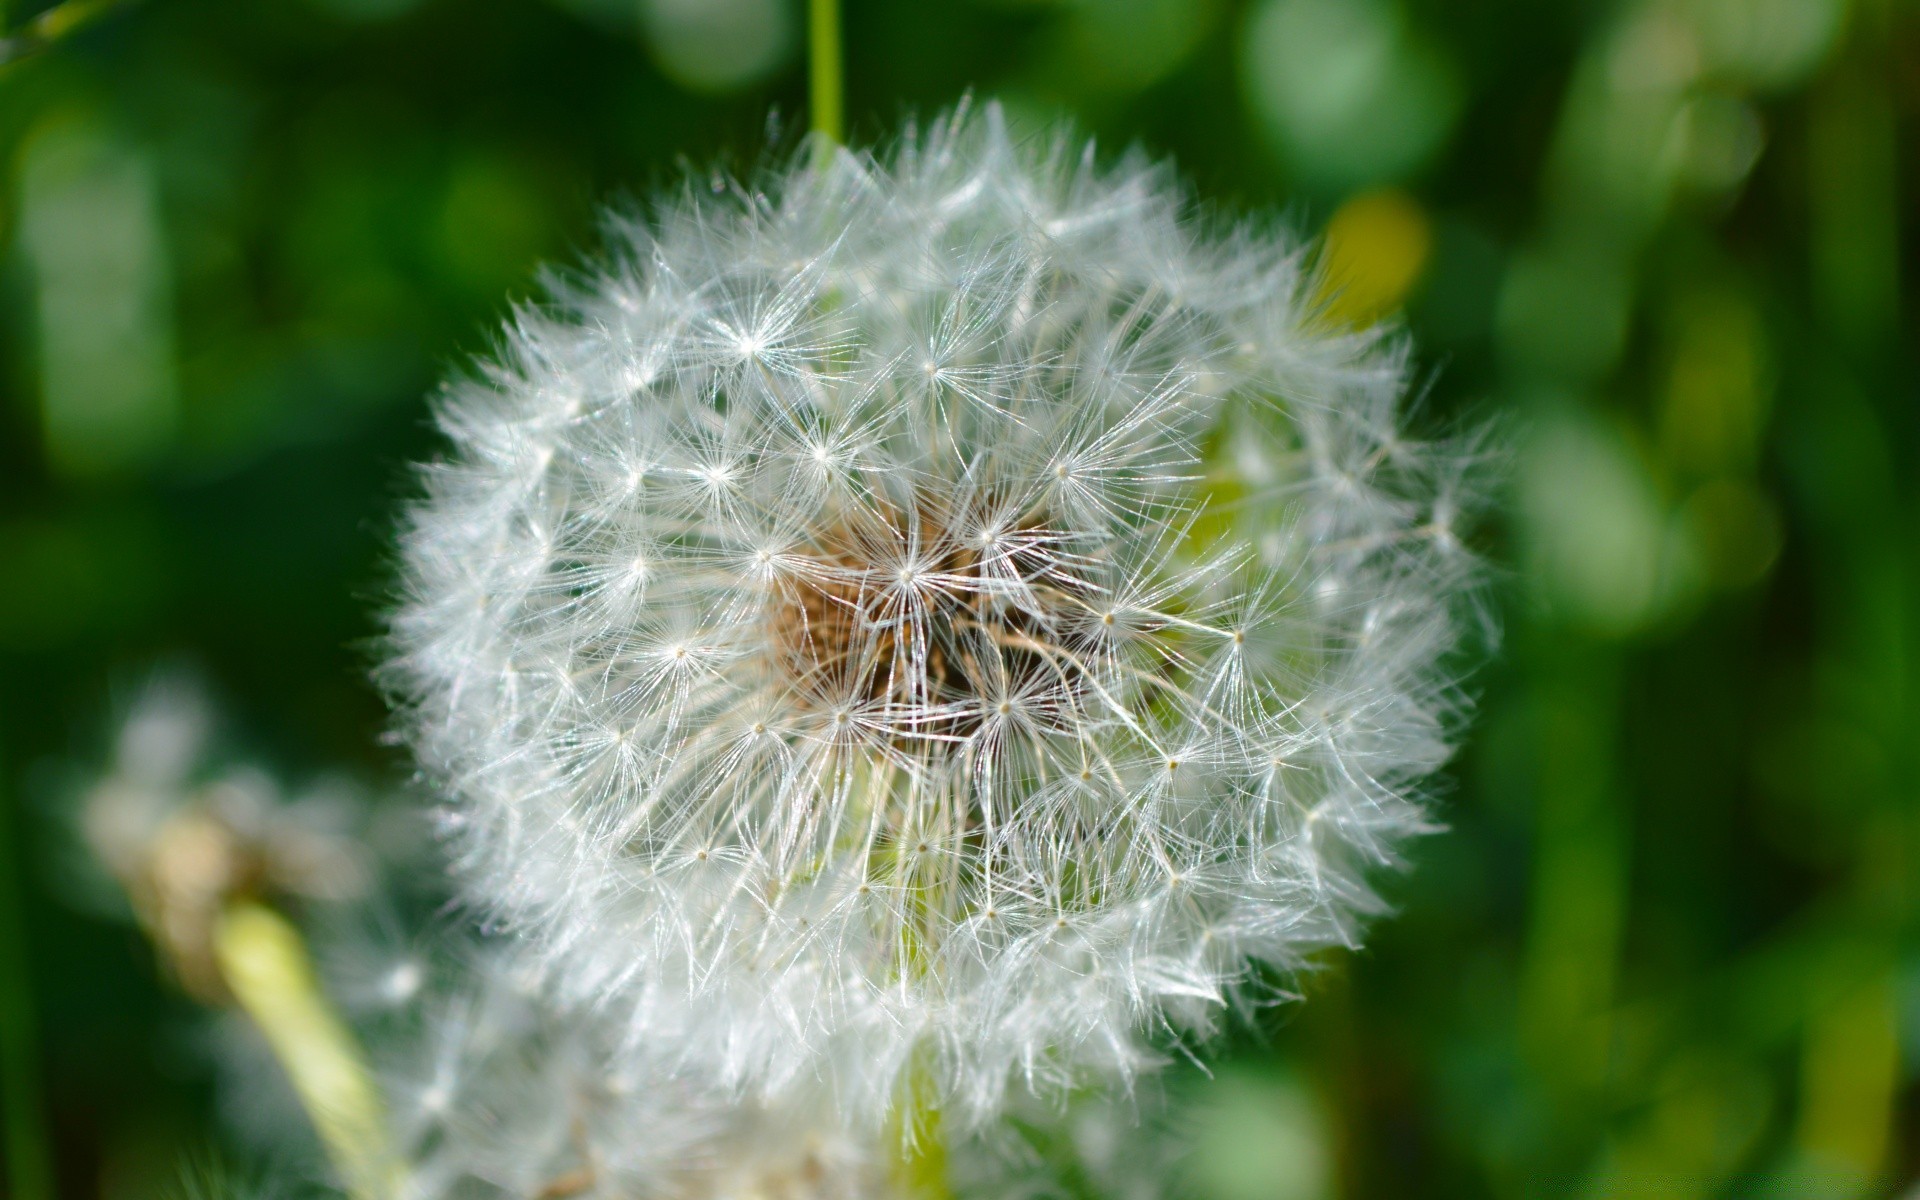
(919, 1141)
(29, 1174)
(825, 99)
(265, 965)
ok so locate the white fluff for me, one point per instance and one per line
(494, 1093)
(938, 615)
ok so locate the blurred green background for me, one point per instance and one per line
(1668, 944)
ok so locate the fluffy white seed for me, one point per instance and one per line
(942, 613)
(494, 1093)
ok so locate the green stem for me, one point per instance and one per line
(919, 1141)
(823, 70)
(29, 1170)
(265, 964)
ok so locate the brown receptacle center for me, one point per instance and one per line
(964, 642)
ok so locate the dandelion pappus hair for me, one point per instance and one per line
(945, 607)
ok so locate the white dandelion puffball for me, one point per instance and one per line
(495, 1093)
(937, 615)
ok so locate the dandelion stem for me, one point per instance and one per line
(265, 965)
(823, 70)
(920, 1146)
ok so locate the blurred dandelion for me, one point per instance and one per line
(931, 616)
(186, 836)
(200, 847)
(497, 1092)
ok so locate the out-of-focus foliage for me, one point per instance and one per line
(1668, 945)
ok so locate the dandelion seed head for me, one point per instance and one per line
(498, 1092)
(184, 833)
(1004, 530)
